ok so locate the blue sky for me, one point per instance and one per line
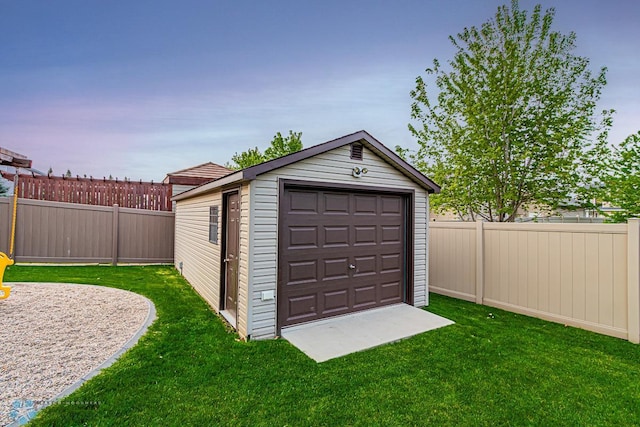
(143, 88)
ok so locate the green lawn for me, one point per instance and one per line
(490, 368)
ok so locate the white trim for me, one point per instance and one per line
(230, 319)
(250, 261)
(427, 267)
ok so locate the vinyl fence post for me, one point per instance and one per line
(479, 261)
(114, 247)
(633, 280)
(9, 219)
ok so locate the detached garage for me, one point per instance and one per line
(333, 229)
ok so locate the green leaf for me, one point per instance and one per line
(511, 120)
(280, 146)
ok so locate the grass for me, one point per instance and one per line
(491, 368)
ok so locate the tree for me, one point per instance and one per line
(68, 174)
(242, 160)
(280, 146)
(4, 190)
(514, 118)
(621, 179)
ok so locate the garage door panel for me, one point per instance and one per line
(335, 268)
(365, 265)
(330, 252)
(302, 237)
(343, 220)
(365, 205)
(336, 204)
(303, 272)
(390, 263)
(377, 251)
(324, 233)
(391, 206)
(336, 236)
(363, 252)
(302, 307)
(365, 235)
(390, 292)
(364, 296)
(390, 234)
(370, 261)
(303, 202)
(335, 301)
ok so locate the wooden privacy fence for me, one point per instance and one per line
(96, 192)
(583, 275)
(64, 232)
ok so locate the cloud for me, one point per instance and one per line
(146, 135)
(143, 133)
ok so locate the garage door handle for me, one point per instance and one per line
(351, 266)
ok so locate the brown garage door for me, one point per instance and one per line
(339, 252)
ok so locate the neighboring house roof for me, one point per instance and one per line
(10, 158)
(197, 175)
(362, 136)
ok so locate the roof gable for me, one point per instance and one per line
(197, 175)
(362, 136)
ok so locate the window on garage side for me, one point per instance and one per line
(213, 224)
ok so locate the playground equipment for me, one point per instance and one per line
(10, 158)
(5, 261)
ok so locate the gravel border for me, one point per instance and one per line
(53, 340)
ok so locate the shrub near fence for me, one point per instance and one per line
(64, 232)
(581, 275)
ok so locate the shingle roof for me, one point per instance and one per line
(197, 175)
(10, 158)
(361, 136)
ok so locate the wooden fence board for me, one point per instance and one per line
(96, 192)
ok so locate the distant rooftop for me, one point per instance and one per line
(197, 175)
(10, 158)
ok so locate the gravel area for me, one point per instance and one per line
(52, 335)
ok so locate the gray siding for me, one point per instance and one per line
(331, 167)
(177, 189)
(264, 230)
(243, 267)
(200, 258)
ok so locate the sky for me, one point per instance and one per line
(141, 88)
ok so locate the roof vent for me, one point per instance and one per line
(356, 151)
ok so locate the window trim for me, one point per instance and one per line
(214, 217)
